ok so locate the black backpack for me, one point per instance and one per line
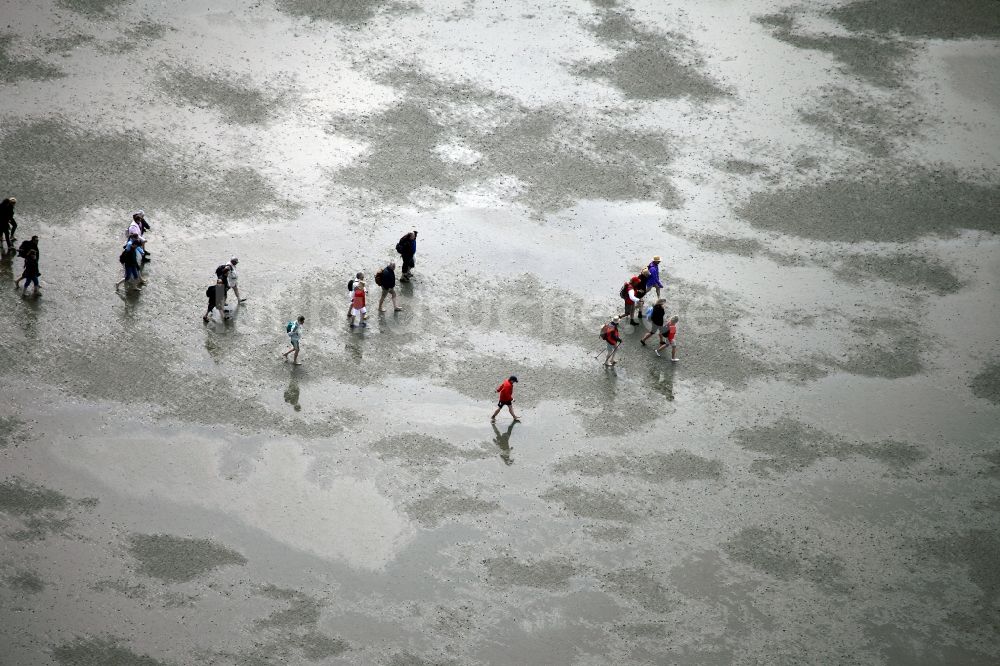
(22, 250)
(624, 290)
(121, 257)
(350, 285)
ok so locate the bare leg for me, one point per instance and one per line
(395, 305)
(494, 417)
(381, 300)
(510, 408)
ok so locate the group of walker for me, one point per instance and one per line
(28, 250)
(633, 292)
(134, 255)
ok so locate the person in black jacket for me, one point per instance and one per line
(8, 225)
(31, 272)
(407, 247)
(386, 278)
(26, 248)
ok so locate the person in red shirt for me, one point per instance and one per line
(358, 308)
(667, 338)
(506, 391)
(609, 333)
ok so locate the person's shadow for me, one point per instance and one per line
(503, 442)
(292, 394)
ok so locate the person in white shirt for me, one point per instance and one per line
(233, 280)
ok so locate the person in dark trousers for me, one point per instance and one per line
(31, 272)
(656, 319)
(216, 298)
(8, 225)
(506, 391)
(26, 247)
(132, 256)
(653, 281)
(386, 278)
(407, 247)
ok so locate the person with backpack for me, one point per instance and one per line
(656, 315)
(131, 258)
(630, 293)
(232, 279)
(407, 247)
(358, 309)
(613, 340)
(30, 273)
(350, 292)
(653, 280)
(669, 338)
(506, 391)
(31, 244)
(216, 298)
(8, 225)
(294, 330)
(386, 279)
(139, 227)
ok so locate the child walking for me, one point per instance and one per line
(294, 330)
(358, 308)
(506, 391)
(668, 338)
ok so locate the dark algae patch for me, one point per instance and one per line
(649, 65)
(790, 445)
(25, 581)
(20, 498)
(339, 11)
(116, 169)
(784, 557)
(178, 559)
(880, 60)
(908, 270)
(976, 551)
(11, 430)
(674, 466)
(556, 159)
(882, 207)
(943, 19)
(292, 630)
(100, 652)
(547, 574)
(93, 8)
(236, 98)
(986, 384)
(639, 586)
(447, 502)
(417, 449)
(877, 128)
(592, 504)
(13, 69)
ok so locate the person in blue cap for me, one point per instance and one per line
(506, 391)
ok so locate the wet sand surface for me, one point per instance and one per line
(816, 481)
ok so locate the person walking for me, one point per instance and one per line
(653, 281)
(629, 294)
(656, 317)
(670, 338)
(386, 279)
(350, 291)
(30, 273)
(358, 309)
(294, 330)
(8, 225)
(506, 391)
(138, 227)
(613, 340)
(131, 257)
(407, 247)
(31, 244)
(233, 279)
(216, 298)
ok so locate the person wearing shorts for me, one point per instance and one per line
(358, 309)
(656, 320)
(294, 336)
(668, 337)
(350, 292)
(216, 296)
(506, 391)
(387, 280)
